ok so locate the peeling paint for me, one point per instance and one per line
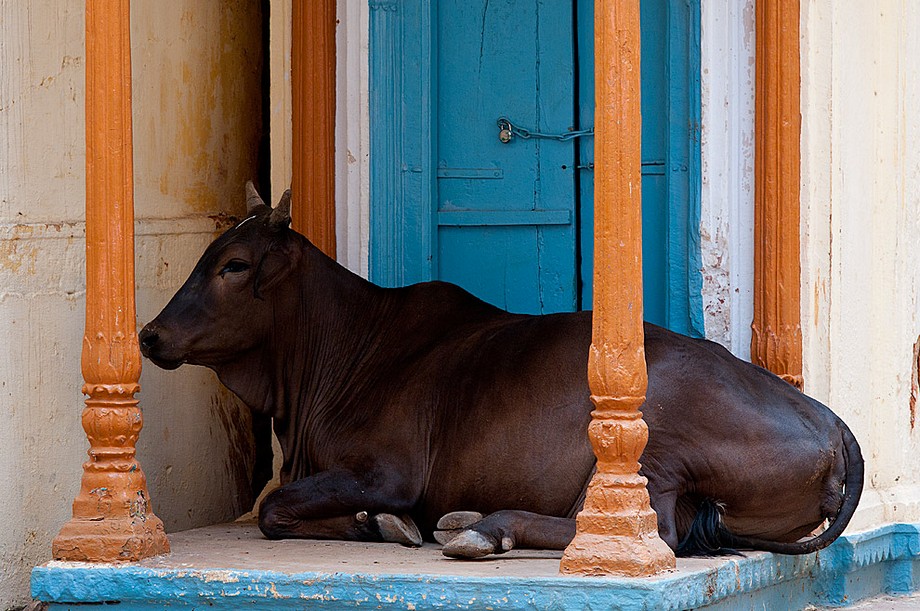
(727, 153)
(221, 576)
(914, 384)
(139, 508)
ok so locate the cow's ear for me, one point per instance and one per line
(281, 214)
(253, 199)
(274, 267)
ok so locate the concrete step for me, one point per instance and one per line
(232, 566)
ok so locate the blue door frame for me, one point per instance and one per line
(404, 215)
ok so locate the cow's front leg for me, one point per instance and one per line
(338, 505)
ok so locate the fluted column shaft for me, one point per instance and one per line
(776, 341)
(617, 531)
(313, 121)
(112, 519)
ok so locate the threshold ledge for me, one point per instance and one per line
(231, 566)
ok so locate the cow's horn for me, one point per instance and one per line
(253, 199)
(281, 214)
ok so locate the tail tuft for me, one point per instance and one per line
(705, 535)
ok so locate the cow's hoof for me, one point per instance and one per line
(452, 524)
(398, 529)
(458, 519)
(469, 544)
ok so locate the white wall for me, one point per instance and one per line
(861, 234)
(727, 156)
(352, 137)
(196, 94)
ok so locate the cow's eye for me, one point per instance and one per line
(234, 266)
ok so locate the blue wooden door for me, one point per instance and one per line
(512, 222)
(506, 211)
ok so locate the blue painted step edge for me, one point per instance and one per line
(825, 578)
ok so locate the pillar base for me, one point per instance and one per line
(111, 539)
(623, 555)
(617, 531)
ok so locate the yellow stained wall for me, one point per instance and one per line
(197, 108)
(861, 235)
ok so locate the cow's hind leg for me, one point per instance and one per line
(360, 526)
(337, 505)
(503, 531)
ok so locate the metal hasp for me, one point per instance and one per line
(617, 530)
(507, 130)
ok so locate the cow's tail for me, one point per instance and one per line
(708, 535)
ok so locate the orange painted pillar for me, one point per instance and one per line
(313, 121)
(112, 519)
(776, 342)
(617, 531)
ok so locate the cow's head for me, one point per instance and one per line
(225, 308)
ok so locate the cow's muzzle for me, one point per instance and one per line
(149, 339)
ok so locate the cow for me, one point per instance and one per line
(423, 412)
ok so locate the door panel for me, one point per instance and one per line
(505, 210)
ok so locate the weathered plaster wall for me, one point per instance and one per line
(727, 156)
(861, 234)
(196, 108)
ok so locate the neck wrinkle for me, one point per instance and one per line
(329, 330)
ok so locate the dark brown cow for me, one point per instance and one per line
(395, 407)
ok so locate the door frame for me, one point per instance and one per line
(402, 69)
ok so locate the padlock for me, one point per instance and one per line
(504, 130)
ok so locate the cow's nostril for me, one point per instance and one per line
(148, 339)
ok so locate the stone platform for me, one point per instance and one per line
(232, 566)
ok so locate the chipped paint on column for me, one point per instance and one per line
(195, 146)
(727, 155)
(860, 225)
